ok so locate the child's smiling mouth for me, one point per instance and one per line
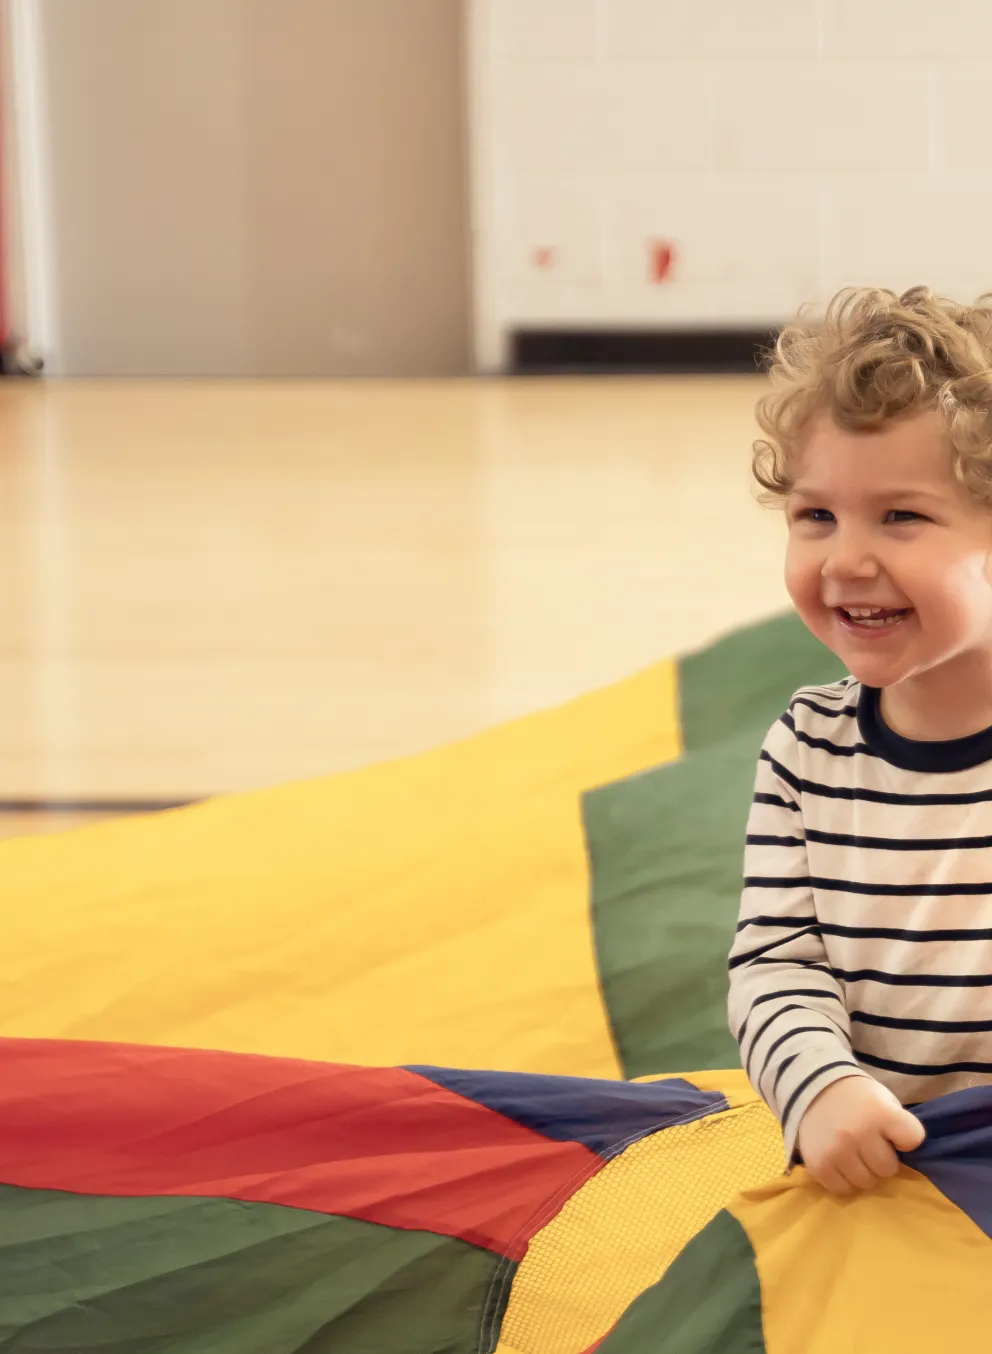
(874, 621)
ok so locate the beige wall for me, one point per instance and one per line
(258, 187)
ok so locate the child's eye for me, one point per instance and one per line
(815, 515)
(900, 515)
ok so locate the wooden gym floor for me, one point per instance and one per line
(215, 586)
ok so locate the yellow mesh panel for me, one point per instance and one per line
(619, 1234)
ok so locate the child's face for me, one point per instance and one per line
(879, 520)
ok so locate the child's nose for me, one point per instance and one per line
(849, 555)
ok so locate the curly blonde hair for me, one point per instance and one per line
(874, 357)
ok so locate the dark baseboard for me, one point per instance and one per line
(545, 352)
(96, 806)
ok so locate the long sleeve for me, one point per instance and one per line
(786, 1007)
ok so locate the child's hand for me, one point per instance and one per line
(851, 1132)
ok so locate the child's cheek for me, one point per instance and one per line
(802, 576)
(804, 584)
(946, 584)
(957, 593)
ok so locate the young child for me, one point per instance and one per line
(861, 975)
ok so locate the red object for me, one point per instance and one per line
(384, 1145)
(662, 260)
(544, 257)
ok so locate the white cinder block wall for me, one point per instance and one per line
(784, 148)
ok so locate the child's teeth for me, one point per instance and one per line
(872, 616)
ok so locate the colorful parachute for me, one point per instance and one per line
(788, 1269)
(556, 895)
(211, 1203)
(192, 1201)
(238, 1104)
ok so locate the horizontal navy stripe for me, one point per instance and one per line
(802, 924)
(752, 956)
(834, 749)
(781, 771)
(777, 801)
(878, 890)
(921, 1069)
(812, 787)
(782, 1069)
(807, 1082)
(777, 921)
(784, 1010)
(825, 744)
(775, 881)
(874, 975)
(834, 691)
(784, 1038)
(807, 965)
(788, 992)
(897, 843)
(873, 843)
(904, 934)
(849, 710)
(931, 1026)
(977, 890)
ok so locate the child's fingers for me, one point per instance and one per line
(842, 1171)
(855, 1171)
(879, 1156)
(832, 1180)
(905, 1132)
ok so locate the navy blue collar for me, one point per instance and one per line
(956, 754)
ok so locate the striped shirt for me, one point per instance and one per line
(865, 938)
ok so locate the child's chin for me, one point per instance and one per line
(870, 673)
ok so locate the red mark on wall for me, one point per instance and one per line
(545, 257)
(662, 260)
